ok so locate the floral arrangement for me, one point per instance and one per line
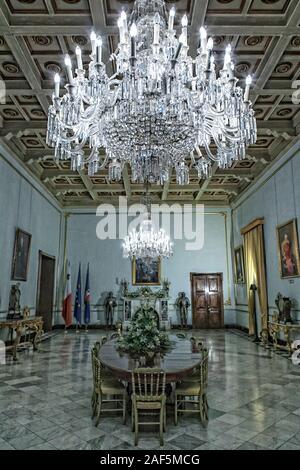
(143, 336)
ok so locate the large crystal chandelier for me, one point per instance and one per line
(147, 242)
(161, 110)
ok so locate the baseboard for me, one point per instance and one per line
(237, 327)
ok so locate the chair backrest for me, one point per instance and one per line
(94, 353)
(203, 369)
(114, 335)
(181, 335)
(96, 348)
(148, 384)
(103, 340)
(197, 343)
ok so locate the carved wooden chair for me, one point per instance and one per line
(191, 394)
(96, 348)
(148, 395)
(106, 390)
(197, 343)
(95, 352)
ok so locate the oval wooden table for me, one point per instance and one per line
(179, 362)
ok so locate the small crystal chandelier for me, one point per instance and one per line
(161, 110)
(147, 242)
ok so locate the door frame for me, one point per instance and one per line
(41, 254)
(222, 294)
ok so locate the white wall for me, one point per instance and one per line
(277, 199)
(107, 266)
(23, 206)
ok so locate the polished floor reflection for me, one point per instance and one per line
(254, 398)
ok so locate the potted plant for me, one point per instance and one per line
(143, 337)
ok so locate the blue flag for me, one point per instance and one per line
(78, 299)
(87, 298)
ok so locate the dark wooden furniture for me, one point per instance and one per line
(45, 289)
(289, 332)
(178, 363)
(207, 300)
(31, 329)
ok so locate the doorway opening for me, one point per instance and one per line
(207, 300)
(45, 289)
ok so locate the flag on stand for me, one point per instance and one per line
(78, 299)
(87, 298)
(67, 302)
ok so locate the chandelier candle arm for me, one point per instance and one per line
(247, 90)
(122, 31)
(133, 34)
(210, 46)
(124, 21)
(156, 30)
(203, 36)
(68, 65)
(185, 23)
(57, 85)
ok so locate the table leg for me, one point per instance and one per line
(37, 336)
(16, 342)
(288, 340)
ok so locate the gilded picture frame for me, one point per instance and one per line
(146, 272)
(288, 249)
(239, 265)
(21, 255)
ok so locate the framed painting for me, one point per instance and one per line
(288, 250)
(21, 255)
(146, 272)
(239, 265)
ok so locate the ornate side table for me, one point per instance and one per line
(23, 327)
(288, 330)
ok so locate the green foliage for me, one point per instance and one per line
(143, 335)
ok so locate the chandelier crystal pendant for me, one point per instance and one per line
(161, 111)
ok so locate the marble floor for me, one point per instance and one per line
(254, 399)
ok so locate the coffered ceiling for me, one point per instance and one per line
(35, 35)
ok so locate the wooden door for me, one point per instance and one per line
(207, 300)
(45, 289)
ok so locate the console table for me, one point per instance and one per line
(19, 327)
(288, 331)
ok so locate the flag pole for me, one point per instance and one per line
(87, 299)
(66, 331)
(77, 330)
